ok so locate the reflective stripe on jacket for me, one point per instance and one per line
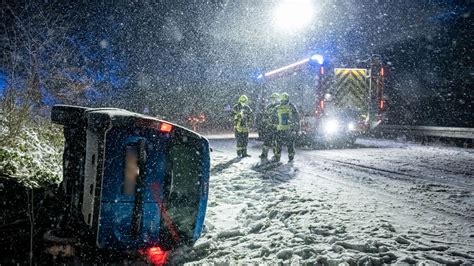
(242, 117)
(288, 117)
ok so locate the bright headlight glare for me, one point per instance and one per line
(331, 126)
(351, 126)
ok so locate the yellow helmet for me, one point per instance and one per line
(243, 99)
(275, 96)
(285, 97)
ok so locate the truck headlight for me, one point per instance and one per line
(351, 126)
(331, 127)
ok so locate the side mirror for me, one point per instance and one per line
(134, 181)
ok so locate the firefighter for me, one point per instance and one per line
(288, 125)
(269, 126)
(242, 119)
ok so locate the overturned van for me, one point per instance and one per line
(131, 180)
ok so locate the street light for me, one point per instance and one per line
(292, 15)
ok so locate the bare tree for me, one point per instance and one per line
(39, 62)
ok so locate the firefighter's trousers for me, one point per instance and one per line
(285, 138)
(242, 141)
(269, 138)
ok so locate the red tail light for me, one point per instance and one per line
(321, 70)
(321, 104)
(382, 72)
(165, 127)
(382, 104)
(155, 255)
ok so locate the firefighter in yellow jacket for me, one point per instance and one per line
(242, 120)
(269, 126)
(288, 125)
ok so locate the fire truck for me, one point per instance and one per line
(336, 103)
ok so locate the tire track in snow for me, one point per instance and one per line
(389, 173)
(370, 171)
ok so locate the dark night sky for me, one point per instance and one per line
(187, 52)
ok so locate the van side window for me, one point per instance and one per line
(131, 169)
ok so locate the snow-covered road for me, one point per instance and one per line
(381, 202)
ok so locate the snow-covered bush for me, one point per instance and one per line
(33, 155)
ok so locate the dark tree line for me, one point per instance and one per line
(48, 58)
(430, 79)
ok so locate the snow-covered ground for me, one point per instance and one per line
(381, 202)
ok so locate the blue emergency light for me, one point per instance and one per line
(134, 181)
(317, 58)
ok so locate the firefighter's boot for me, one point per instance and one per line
(276, 158)
(264, 154)
(291, 158)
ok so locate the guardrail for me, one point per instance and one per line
(226, 136)
(446, 132)
(428, 131)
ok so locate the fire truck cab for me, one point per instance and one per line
(336, 104)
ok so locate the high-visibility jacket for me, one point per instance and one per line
(269, 123)
(242, 117)
(287, 117)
